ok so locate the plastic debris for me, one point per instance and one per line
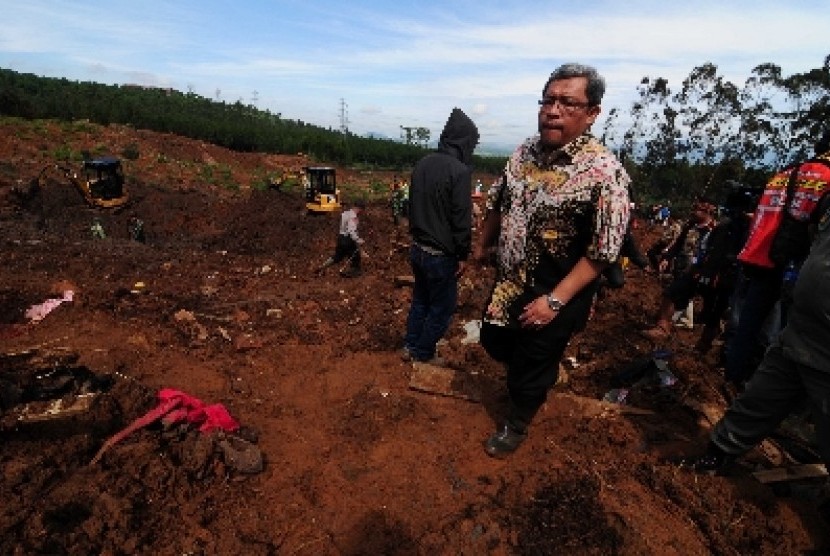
(616, 395)
(666, 378)
(97, 230)
(473, 331)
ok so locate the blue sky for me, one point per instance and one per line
(401, 62)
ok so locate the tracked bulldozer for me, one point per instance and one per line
(99, 180)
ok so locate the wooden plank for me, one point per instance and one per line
(791, 473)
(444, 381)
(404, 281)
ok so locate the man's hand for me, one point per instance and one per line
(537, 313)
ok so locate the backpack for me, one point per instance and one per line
(792, 239)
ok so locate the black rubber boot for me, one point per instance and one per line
(504, 442)
(510, 436)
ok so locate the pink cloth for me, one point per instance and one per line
(37, 313)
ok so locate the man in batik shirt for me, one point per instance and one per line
(559, 213)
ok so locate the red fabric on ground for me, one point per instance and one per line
(193, 410)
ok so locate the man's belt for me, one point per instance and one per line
(430, 250)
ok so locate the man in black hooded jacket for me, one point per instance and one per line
(440, 223)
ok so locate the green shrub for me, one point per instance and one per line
(291, 184)
(260, 183)
(62, 153)
(378, 188)
(207, 173)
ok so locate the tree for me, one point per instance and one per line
(407, 133)
(712, 130)
(758, 136)
(422, 136)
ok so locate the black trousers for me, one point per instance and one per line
(347, 248)
(779, 386)
(715, 299)
(532, 358)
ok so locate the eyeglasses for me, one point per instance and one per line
(566, 104)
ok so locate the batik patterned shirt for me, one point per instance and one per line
(556, 207)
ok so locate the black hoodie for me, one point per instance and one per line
(440, 192)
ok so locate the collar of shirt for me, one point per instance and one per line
(565, 154)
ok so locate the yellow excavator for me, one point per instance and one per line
(321, 192)
(99, 180)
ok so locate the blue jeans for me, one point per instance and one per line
(434, 298)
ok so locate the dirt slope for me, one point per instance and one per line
(356, 462)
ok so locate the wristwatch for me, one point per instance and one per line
(554, 303)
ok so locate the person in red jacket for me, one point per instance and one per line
(763, 278)
(795, 368)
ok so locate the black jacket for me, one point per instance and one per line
(720, 260)
(440, 192)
